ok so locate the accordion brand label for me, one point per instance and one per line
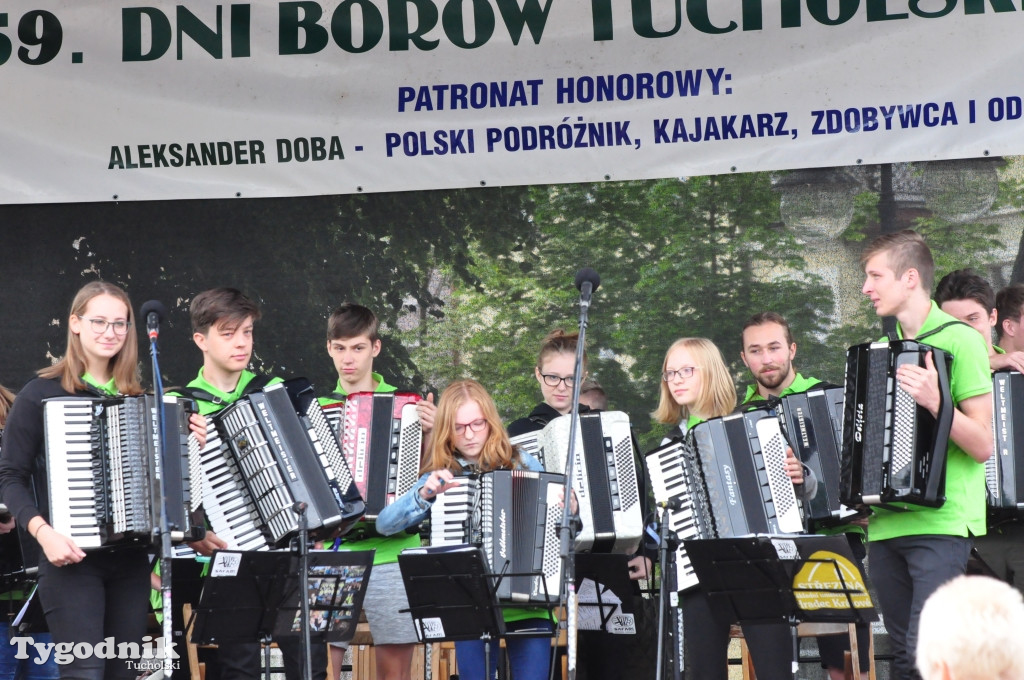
(225, 564)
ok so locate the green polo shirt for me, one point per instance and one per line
(339, 389)
(224, 398)
(799, 385)
(963, 513)
(387, 547)
(109, 387)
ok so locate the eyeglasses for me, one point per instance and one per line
(100, 326)
(684, 372)
(552, 380)
(475, 426)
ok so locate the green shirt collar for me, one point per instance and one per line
(998, 350)
(110, 387)
(226, 397)
(936, 317)
(800, 384)
(377, 378)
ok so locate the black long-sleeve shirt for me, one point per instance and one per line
(23, 456)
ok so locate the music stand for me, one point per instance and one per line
(604, 594)
(452, 596)
(254, 596)
(785, 578)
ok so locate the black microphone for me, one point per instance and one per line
(587, 280)
(153, 312)
(672, 504)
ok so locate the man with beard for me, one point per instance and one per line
(768, 351)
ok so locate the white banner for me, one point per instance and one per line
(106, 100)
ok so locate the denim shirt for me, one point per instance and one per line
(410, 509)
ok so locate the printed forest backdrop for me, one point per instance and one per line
(468, 281)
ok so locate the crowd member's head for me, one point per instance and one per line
(1009, 307)
(222, 327)
(100, 334)
(768, 351)
(968, 297)
(694, 381)
(897, 267)
(353, 343)
(972, 628)
(554, 370)
(467, 426)
(593, 396)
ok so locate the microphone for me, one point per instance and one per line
(672, 504)
(587, 281)
(153, 312)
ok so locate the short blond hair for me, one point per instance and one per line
(974, 627)
(905, 250)
(718, 393)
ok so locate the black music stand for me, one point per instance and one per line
(783, 578)
(254, 596)
(452, 596)
(600, 580)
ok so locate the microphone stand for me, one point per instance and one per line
(667, 544)
(165, 533)
(303, 549)
(566, 530)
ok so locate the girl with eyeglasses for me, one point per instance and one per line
(87, 597)
(469, 437)
(696, 386)
(554, 373)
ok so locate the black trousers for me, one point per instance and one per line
(706, 643)
(242, 661)
(104, 595)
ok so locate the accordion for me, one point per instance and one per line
(893, 450)
(813, 424)
(604, 478)
(1004, 470)
(727, 478)
(103, 471)
(266, 452)
(514, 516)
(381, 440)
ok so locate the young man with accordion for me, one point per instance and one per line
(914, 549)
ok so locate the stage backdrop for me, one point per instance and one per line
(468, 281)
(112, 100)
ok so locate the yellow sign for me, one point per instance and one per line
(818, 585)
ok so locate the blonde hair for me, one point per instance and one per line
(72, 366)
(497, 452)
(6, 400)
(717, 393)
(974, 627)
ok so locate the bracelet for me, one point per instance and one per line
(40, 528)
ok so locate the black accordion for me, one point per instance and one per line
(381, 440)
(102, 458)
(726, 478)
(1004, 470)
(813, 424)
(266, 452)
(604, 478)
(893, 451)
(514, 516)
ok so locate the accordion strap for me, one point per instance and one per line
(933, 331)
(256, 384)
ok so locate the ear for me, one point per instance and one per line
(912, 277)
(376, 347)
(792, 351)
(75, 324)
(992, 318)
(1008, 329)
(329, 348)
(200, 340)
(743, 357)
(536, 374)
